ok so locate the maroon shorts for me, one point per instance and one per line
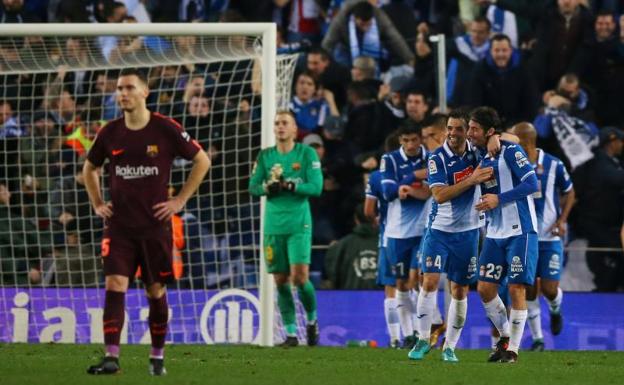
(123, 251)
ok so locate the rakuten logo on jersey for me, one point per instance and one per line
(132, 172)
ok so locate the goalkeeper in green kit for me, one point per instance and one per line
(288, 174)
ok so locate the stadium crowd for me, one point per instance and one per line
(366, 68)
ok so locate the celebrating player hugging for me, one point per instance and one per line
(478, 177)
(509, 252)
(140, 149)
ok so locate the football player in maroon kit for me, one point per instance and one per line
(140, 148)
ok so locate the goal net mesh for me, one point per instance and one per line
(55, 94)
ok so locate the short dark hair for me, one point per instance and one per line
(322, 52)
(436, 120)
(392, 141)
(409, 128)
(501, 37)
(134, 71)
(418, 91)
(484, 20)
(487, 117)
(459, 113)
(363, 10)
(110, 7)
(605, 12)
(308, 74)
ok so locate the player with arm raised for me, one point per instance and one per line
(451, 241)
(510, 246)
(288, 174)
(552, 216)
(140, 149)
(406, 198)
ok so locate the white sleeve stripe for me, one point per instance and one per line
(526, 175)
(371, 196)
(569, 188)
(437, 184)
(388, 181)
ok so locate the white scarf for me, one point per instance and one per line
(466, 48)
(503, 22)
(573, 135)
(371, 42)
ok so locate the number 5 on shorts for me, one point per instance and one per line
(105, 247)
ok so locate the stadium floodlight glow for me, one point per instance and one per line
(223, 82)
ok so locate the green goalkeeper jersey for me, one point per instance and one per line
(287, 212)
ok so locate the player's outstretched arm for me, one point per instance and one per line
(92, 184)
(201, 165)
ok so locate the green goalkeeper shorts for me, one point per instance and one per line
(283, 250)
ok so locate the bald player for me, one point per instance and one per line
(553, 203)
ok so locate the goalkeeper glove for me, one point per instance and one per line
(288, 186)
(273, 188)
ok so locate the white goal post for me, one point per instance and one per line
(262, 50)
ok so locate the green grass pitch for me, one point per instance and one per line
(50, 364)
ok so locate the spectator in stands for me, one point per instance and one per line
(198, 106)
(392, 105)
(69, 206)
(401, 13)
(22, 244)
(12, 11)
(304, 21)
(105, 87)
(562, 37)
(361, 29)
(310, 110)
(40, 155)
(361, 124)
(364, 70)
(127, 46)
(329, 74)
(464, 53)
(10, 132)
(600, 214)
(9, 124)
(528, 14)
(562, 119)
(77, 54)
(59, 100)
(112, 12)
(195, 87)
(416, 106)
(424, 68)
(82, 133)
(501, 81)
(351, 263)
(70, 11)
(578, 103)
(605, 73)
(324, 207)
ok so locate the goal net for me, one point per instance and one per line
(223, 83)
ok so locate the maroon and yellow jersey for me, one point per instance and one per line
(139, 166)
